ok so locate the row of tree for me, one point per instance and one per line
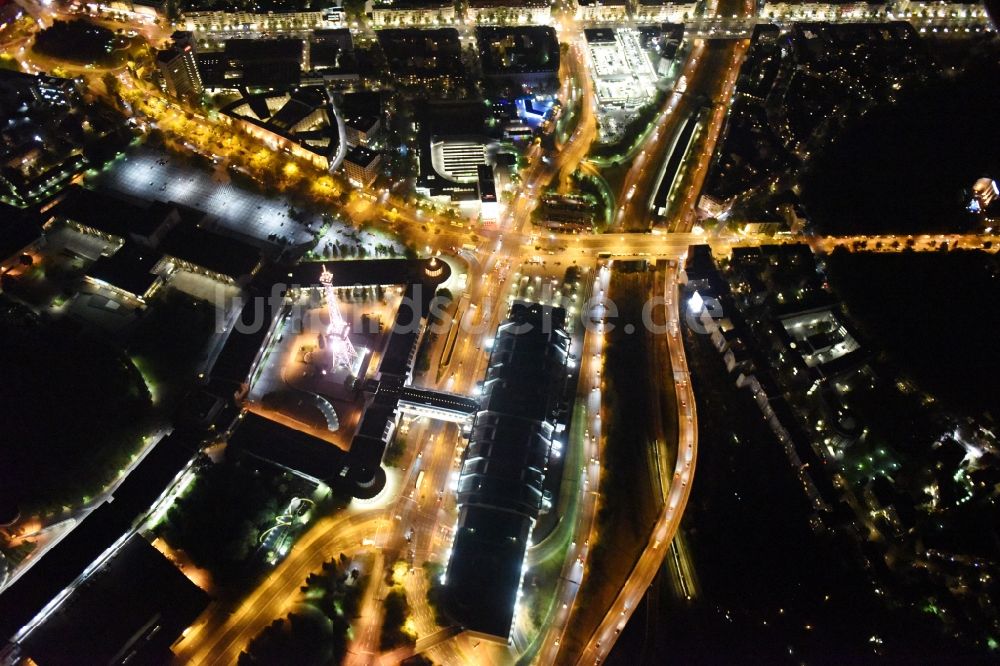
(316, 633)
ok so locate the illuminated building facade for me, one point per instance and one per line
(657, 11)
(816, 11)
(179, 71)
(222, 21)
(146, 11)
(601, 11)
(362, 165)
(404, 13)
(299, 122)
(508, 12)
(984, 193)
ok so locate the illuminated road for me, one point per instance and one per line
(715, 68)
(668, 522)
(693, 179)
(640, 181)
(587, 479)
(707, 79)
(417, 525)
(571, 155)
(223, 632)
(408, 532)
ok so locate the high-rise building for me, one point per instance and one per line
(362, 166)
(179, 71)
(984, 193)
(489, 204)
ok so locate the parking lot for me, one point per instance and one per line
(147, 174)
(624, 79)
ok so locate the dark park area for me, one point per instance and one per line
(74, 412)
(317, 632)
(219, 520)
(768, 589)
(81, 41)
(908, 167)
(937, 313)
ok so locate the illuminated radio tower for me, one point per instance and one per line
(337, 332)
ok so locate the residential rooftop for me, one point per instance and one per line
(422, 53)
(518, 49)
(260, 50)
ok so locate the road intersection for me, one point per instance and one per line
(414, 525)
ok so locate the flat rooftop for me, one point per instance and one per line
(485, 568)
(503, 468)
(522, 362)
(292, 449)
(242, 347)
(68, 559)
(262, 50)
(599, 35)
(211, 251)
(105, 213)
(819, 336)
(130, 610)
(361, 156)
(129, 269)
